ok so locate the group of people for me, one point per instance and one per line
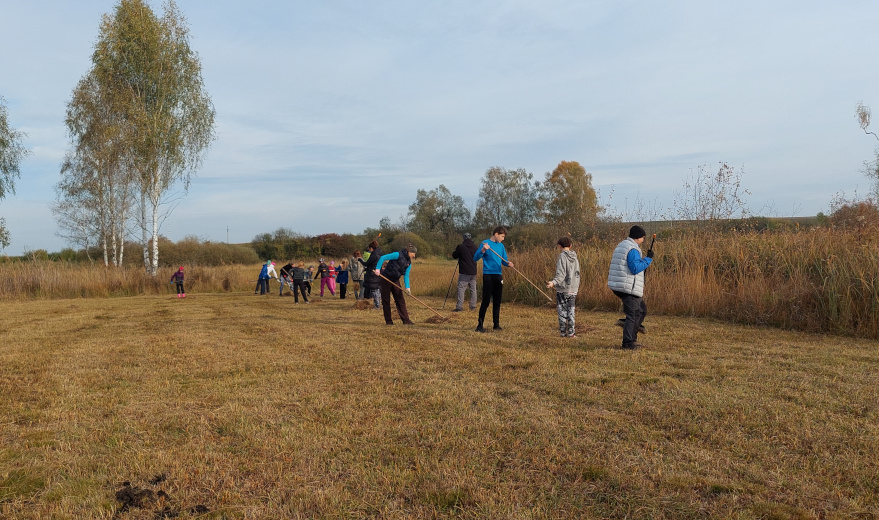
(378, 276)
(333, 278)
(625, 279)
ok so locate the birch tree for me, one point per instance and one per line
(152, 78)
(12, 152)
(96, 191)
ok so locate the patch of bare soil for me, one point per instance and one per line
(135, 497)
(362, 305)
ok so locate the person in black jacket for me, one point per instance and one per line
(286, 273)
(323, 272)
(396, 267)
(299, 275)
(466, 271)
(370, 279)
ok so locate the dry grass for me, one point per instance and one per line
(44, 279)
(253, 407)
(818, 280)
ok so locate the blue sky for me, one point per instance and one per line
(331, 115)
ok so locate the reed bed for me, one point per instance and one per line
(819, 280)
(34, 280)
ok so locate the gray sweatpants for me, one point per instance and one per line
(465, 281)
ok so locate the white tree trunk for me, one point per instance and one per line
(104, 245)
(155, 264)
(144, 234)
(121, 232)
(115, 248)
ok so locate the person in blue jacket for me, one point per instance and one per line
(398, 265)
(626, 279)
(494, 256)
(267, 272)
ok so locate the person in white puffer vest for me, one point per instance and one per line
(626, 280)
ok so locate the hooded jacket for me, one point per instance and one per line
(567, 273)
(355, 269)
(464, 255)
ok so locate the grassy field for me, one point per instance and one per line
(229, 405)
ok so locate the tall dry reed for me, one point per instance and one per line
(29, 280)
(816, 280)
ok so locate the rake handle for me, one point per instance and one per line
(416, 298)
(522, 275)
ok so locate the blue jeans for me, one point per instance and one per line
(377, 298)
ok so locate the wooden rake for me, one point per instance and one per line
(439, 318)
(522, 275)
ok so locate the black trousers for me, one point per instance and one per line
(343, 287)
(492, 291)
(636, 311)
(388, 289)
(180, 288)
(299, 286)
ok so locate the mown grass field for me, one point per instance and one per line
(229, 405)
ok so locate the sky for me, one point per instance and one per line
(331, 115)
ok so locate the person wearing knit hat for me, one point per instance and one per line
(177, 278)
(464, 253)
(399, 263)
(265, 274)
(626, 280)
(323, 272)
(637, 232)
